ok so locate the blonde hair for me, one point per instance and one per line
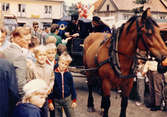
(34, 86)
(65, 57)
(51, 46)
(51, 39)
(38, 49)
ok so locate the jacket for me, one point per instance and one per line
(8, 88)
(15, 56)
(26, 110)
(69, 89)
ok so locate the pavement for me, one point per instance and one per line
(132, 110)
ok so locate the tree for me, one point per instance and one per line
(73, 9)
(139, 9)
(141, 1)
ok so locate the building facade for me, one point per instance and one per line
(119, 11)
(27, 11)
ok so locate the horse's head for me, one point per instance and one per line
(148, 34)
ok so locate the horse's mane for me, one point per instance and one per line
(149, 24)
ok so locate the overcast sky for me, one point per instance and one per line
(69, 2)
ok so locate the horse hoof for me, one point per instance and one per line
(91, 109)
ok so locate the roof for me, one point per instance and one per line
(97, 4)
(155, 5)
(47, 0)
(164, 2)
(125, 4)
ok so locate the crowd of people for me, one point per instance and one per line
(34, 75)
(151, 72)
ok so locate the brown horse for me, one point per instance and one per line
(115, 62)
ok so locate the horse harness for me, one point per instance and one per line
(113, 53)
(113, 56)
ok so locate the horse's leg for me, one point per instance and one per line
(105, 102)
(106, 105)
(90, 99)
(102, 103)
(124, 104)
(126, 89)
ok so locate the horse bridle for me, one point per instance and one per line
(140, 36)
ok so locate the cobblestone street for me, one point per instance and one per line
(132, 110)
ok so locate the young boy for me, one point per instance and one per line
(35, 93)
(140, 79)
(63, 89)
(51, 51)
(51, 54)
(40, 70)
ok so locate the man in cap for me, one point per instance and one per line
(99, 26)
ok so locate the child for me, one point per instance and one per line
(60, 49)
(63, 88)
(51, 54)
(140, 82)
(35, 93)
(51, 39)
(40, 70)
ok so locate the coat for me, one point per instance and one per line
(63, 86)
(26, 110)
(8, 88)
(15, 56)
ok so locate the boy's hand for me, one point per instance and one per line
(75, 35)
(51, 107)
(74, 104)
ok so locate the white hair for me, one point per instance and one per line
(39, 48)
(35, 85)
(51, 46)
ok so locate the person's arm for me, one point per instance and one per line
(73, 92)
(162, 66)
(13, 87)
(145, 69)
(72, 88)
(20, 67)
(30, 75)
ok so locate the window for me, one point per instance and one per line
(5, 7)
(108, 7)
(162, 17)
(21, 8)
(125, 17)
(48, 9)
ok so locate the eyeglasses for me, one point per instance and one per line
(36, 26)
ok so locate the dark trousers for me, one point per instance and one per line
(155, 87)
(63, 105)
(141, 89)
